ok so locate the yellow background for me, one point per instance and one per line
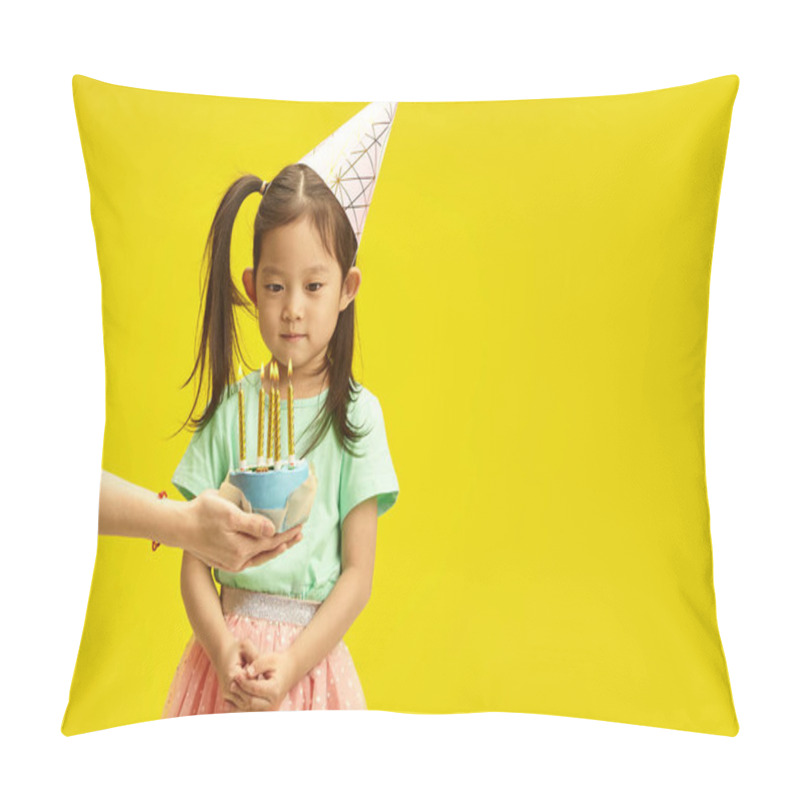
(533, 320)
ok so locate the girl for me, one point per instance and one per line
(272, 640)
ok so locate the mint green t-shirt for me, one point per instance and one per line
(309, 569)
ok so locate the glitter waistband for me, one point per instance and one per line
(261, 605)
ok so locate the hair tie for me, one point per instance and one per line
(263, 188)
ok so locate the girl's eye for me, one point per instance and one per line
(272, 287)
(314, 284)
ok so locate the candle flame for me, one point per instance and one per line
(240, 371)
(290, 367)
(262, 370)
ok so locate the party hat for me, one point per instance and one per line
(350, 158)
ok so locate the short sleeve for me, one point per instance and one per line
(370, 472)
(205, 463)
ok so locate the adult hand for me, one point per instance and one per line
(222, 535)
(209, 527)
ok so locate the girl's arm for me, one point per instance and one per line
(227, 655)
(348, 597)
(203, 608)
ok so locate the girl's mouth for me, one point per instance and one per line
(293, 338)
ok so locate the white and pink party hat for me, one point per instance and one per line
(350, 158)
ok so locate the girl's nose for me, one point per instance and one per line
(292, 308)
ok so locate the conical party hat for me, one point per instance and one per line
(350, 158)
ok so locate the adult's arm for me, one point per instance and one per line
(209, 527)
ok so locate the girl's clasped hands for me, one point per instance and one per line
(253, 681)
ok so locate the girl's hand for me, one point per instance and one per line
(222, 535)
(229, 663)
(263, 684)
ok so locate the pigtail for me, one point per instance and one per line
(219, 341)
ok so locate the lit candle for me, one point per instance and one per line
(270, 412)
(277, 415)
(271, 415)
(291, 417)
(242, 444)
(261, 460)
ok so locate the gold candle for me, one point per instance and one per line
(242, 444)
(291, 416)
(261, 460)
(271, 414)
(277, 414)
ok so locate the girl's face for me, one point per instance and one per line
(299, 294)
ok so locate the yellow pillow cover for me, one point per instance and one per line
(533, 320)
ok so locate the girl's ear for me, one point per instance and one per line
(350, 287)
(248, 279)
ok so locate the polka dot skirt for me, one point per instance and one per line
(331, 684)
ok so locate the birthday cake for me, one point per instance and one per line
(280, 489)
(270, 487)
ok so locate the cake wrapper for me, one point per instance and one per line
(296, 511)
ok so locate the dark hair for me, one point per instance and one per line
(296, 192)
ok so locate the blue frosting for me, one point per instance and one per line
(270, 489)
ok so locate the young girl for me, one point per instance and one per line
(273, 639)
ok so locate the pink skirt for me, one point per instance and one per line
(272, 623)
